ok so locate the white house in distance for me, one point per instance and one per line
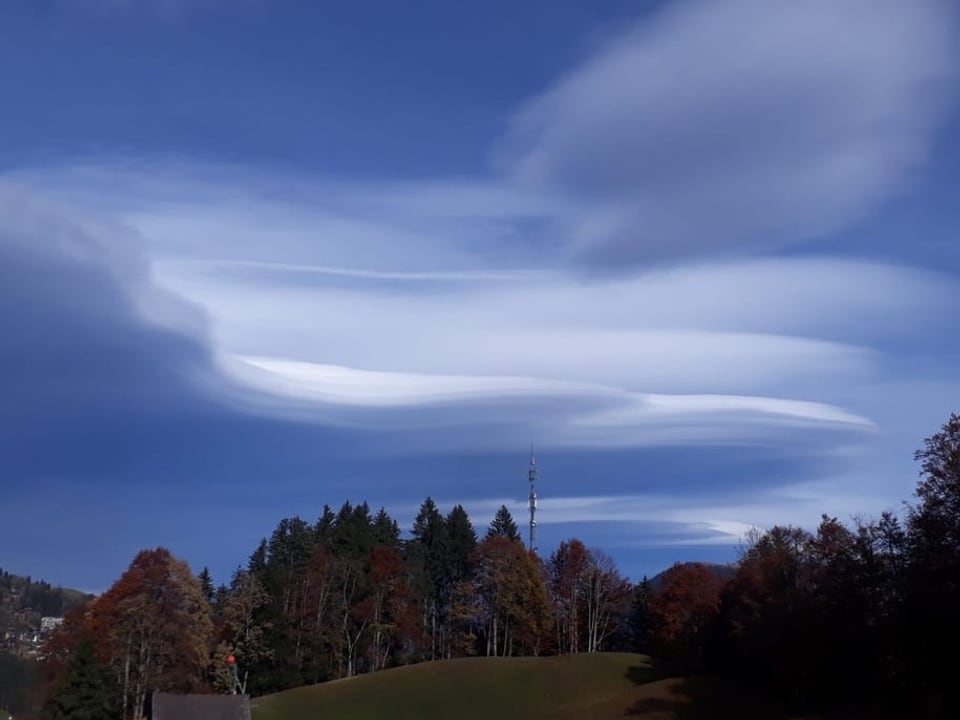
(49, 624)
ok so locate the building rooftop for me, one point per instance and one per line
(166, 706)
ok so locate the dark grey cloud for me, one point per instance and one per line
(88, 345)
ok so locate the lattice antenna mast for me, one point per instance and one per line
(532, 475)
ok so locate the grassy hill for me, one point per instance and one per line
(577, 687)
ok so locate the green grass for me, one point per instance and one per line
(601, 686)
(585, 687)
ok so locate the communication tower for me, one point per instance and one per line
(532, 475)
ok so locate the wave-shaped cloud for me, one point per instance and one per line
(579, 410)
(86, 334)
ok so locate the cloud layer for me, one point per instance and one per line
(740, 125)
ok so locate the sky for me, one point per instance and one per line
(257, 257)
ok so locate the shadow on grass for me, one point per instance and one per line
(644, 674)
(706, 698)
(697, 698)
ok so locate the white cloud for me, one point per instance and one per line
(698, 520)
(580, 414)
(713, 330)
(740, 124)
(354, 314)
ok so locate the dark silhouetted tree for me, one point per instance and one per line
(683, 610)
(503, 525)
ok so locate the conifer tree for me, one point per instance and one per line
(206, 585)
(503, 525)
(386, 532)
(462, 543)
(87, 691)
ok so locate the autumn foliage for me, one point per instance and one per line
(683, 613)
(152, 629)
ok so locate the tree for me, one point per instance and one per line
(353, 531)
(640, 633)
(607, 595)
(933, 575)
(567, 571)
(513, 598)
(17, 677)
(87, 691)
(431, 572)
(243, 633)
(769, 618)
(386, 532)
(154, 628)
(386, 607)
(258, 560)
(206, 585)
(461, 544)
(934, 524)
(683, 611)
(503, 525)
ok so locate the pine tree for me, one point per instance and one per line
(87, 690)
(641, 629)
(503, 525)
(386, 532)
(206, 584)
(323, 529)
(258, 561)
(429, 554)
(462, 543)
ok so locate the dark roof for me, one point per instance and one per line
(200, 707)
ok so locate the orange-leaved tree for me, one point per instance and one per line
(683, 611)
(153, 627)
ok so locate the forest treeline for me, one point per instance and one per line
(845, 614)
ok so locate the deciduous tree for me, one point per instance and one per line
(154, 627)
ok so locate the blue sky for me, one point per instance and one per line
(257, 257)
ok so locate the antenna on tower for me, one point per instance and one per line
(532, 475)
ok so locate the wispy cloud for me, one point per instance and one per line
(359, 273)
(739, 125)
(582, 414)
(697, 520)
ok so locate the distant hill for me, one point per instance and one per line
(598, 686)
(23, 601)
(723, 571)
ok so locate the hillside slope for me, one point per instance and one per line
(577, 687)
(532, 688)
(23, 602)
